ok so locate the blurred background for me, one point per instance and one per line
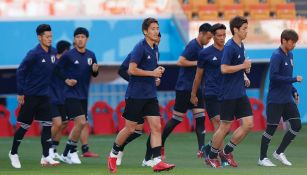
(115, 27)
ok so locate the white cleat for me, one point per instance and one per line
(74, 158)
(14, 160)
(66, 159)
(282, 158)
(149, 163)
(57, 156)
(266, 162)
(48, 161)
(119, 158)
(51, 152)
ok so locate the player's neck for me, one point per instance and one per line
(283, 48)
(150, 42)
(218, 47)
(237, 40)
(45, 48)
(81, 50)
(198, 41)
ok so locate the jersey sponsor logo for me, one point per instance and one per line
(286, 64)
(214, 58)
(43, 60)
(52, 59)
(148, 57)
(89, 61)
(239, 56)
(76, 62)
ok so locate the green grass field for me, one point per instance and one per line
(180, 149)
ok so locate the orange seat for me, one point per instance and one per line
(184, 126)
(286, 11)
(208, 12)
(274, 3)
(34, 129)
(259, 11)
(6, 127)
(231, 11)
(222, 3)
(103, 122)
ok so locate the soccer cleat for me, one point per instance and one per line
(162, 166)
(90, 154)
(148, 163)
(201, 152)
(112, 164)
(51, 153)
(228, 158)
(74, 158)
(119, 158)
(214, 163)
(14, 160)
(266, 162)
(48, 161)
(163, 153)
(223, 161)
(66, 159)
(282, 158)
(57, 156)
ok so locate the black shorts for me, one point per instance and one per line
(34, 108)
(183, 103)
(58, 110)
(286, 110)
(235, 108)
(213, 105)
(136, 109)
(75, 107)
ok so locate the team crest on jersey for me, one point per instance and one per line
(52, 59)
(89, 61)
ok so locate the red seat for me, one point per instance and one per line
(259, 120)
(6, 127)
(103, 122)
(119, 112)
(34, 129)
(184, 126)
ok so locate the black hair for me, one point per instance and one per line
(289, 34)
(237, 22)
(146, 23)
(81, 30)
(62, 45)
(216, 27)
(205, 27)
(43, 28)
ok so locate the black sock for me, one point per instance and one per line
(46, 140)
(213, 153)
(207, 147)
(295, 127)
(156, 151)
(148, 154)
(169, 127)
(85, 148)
(71, 146)
(115, 149)
(133, 136)
(55, 145)
(229, 147)
(19, 134)
(266, 139)
(199, 130)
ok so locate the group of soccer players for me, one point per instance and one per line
(53, 88)
(212, 79)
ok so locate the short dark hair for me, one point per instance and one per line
(62, 45)
(43, 28)
(146, 23)
(205, 27)
(81, 30)
(289, 34)
(237, 22)
(216, 27)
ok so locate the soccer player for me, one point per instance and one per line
(209, 71)
(123, 72)
(77, 67)
(58, 113)
(33, 78)
(188, 62)
(141, 96)
(234, 101)
(281, 99)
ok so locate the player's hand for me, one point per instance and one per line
(71, 82)
(158, 72)
(95, 67)
(158, 81)
(21, 99)
(296, 97)
(247, 82)
(162, 68)
(299, 78)
(248, 70)
(247, 64)
(194, 100)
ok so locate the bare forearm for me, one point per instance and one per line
(226, 69)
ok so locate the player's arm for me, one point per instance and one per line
(295, 95)
(122, 72)
(246, 80)
(59, 71)
(184, 62)
(134, 70)
(95, 67)
(229, 69)
(196, 84)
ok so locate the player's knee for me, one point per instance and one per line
(130, 129)
(56, 124)
(156, 128)
(24, 126)
(248, 126)
(296, 125)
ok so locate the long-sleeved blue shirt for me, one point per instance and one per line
(34, 73)
(281, 77)
(78, 66)
(56, 91)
